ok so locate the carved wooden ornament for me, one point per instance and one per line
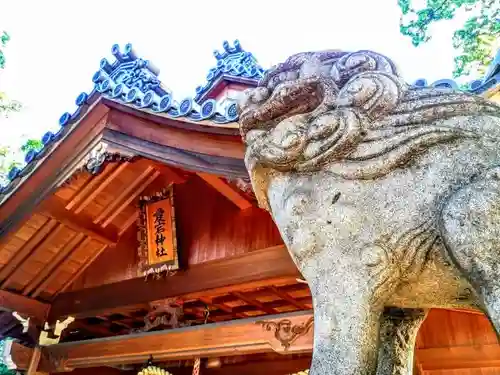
(285, 332)
(157, 236)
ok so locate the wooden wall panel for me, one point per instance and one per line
(445, 328)
(209, 227)
(71, 266)
(113, 265)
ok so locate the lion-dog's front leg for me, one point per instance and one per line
(346, 277)
(346, 321)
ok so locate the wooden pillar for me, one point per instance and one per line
(34, 361)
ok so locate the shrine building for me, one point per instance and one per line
(133, 239)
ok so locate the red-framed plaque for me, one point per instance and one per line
(157, 237)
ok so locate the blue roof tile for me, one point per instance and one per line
(478, 86)
(134, 81)
(233, 62)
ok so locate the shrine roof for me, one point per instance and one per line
(479, 86)
(133, 81)
(233, 64)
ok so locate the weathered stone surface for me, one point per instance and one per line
(386, 196)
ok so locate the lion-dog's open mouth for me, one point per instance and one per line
(288, 98)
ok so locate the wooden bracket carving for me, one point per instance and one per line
(168, 312)
(45, 340)
(285, 332)
(25, 322)
(95, 160)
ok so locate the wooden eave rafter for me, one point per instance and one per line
(226, 190)
(262, 266)
(55, 208)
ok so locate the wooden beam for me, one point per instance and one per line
(131, 220)
(123, 194)
(282, 365)
(136, 189)
(288, 298)
(98, 184)
(178, 158)
(169, 173)
(55, 208)
(226, 190)
(238, 337)
(245, 337)
(177, 137)
(50, 237)
(254, 302)
(16, 356)
(257, 266)
(23, 305)
(95, 192)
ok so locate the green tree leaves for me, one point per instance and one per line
(6, 106)
(4, 38)
(476, 41)
(10, 157)
(32, 144)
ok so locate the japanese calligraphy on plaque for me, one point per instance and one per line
(157, 240)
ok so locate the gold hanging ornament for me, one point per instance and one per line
(150, 369)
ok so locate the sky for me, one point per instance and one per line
(56, 46)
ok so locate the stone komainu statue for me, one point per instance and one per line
(387, 197)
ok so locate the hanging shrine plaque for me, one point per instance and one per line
(157, 239)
